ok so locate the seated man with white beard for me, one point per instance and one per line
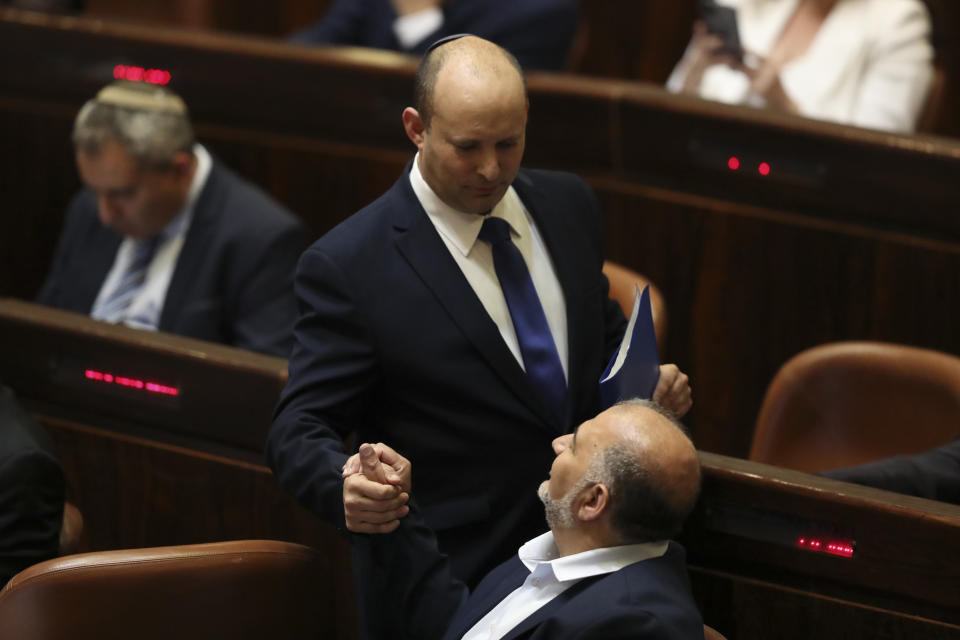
(619, 488)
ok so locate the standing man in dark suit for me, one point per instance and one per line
(620, 487)
(412, 332)
(31, 491)
(540, 33)
(164, 237)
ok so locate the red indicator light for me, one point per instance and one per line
(139, 74)
(842, 548)
(764, 169)
(733, 163)
(131, 383)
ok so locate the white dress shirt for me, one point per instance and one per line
(459, 232)
(144, 311)
(550, 576)
(414, 27)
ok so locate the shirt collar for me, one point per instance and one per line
(461, 228)
(541, 552)
(182, 220)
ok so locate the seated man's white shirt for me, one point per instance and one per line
(145, 309)
(550, 576)
(414, 27)
(459, 232)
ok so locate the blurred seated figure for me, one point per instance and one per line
(933, 474)
(867, 63)
(538, 32)
(31, 490)
(166, 238)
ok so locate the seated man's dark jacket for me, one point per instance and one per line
(233, 281)
(933, 474)
(411, 594)
(539, 33)
(31, 490)
(394, 344)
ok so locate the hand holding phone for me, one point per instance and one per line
(722, 22)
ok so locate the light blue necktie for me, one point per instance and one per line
(540, 358)
(114, 308)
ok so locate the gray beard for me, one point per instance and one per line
(559, 512)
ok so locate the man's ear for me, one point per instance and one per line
(181, 164)
(413, 125)
(593, 502)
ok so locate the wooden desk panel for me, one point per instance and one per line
(752, 580)
(136, 491)
(751, 275)
(747, 288)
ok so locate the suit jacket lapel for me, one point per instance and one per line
(547, 610)
(102, 252)
(420, 244)
(480, 604)
(484, 599)
(195, 251)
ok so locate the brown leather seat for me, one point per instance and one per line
(239, 589)
(622, 281)
(709, 633)
(71, 531)
(847, 403)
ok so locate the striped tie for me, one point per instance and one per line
(114, 308)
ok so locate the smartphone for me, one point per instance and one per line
(722, 21)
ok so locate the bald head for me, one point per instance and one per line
(464, 59)
(651, 469)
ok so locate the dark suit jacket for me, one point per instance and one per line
(415, 596)
(538, 32)
(645, 600)
(31, 491)
(233, 282)
(393, 343)
(933, 474)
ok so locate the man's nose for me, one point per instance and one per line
(560, 444)
(489, 166)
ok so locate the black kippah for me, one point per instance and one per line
(444, 40)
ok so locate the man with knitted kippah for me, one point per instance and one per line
(461, 318)
(165, 238)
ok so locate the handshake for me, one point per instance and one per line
(376, 489)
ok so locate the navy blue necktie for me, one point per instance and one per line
(540, 358)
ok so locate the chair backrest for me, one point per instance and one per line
(847, 403)
(622, 281)
(709, 633)
(238, 589)
(932, 112)
(71, 531)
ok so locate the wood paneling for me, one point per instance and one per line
(752, 581)
(852, 236)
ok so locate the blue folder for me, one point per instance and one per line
(634, 369)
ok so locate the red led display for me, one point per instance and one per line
(132, 383)
(843, 548)
(139, 74)
(763, 169)
(733, 163)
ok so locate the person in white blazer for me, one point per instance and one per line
(867, 63)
